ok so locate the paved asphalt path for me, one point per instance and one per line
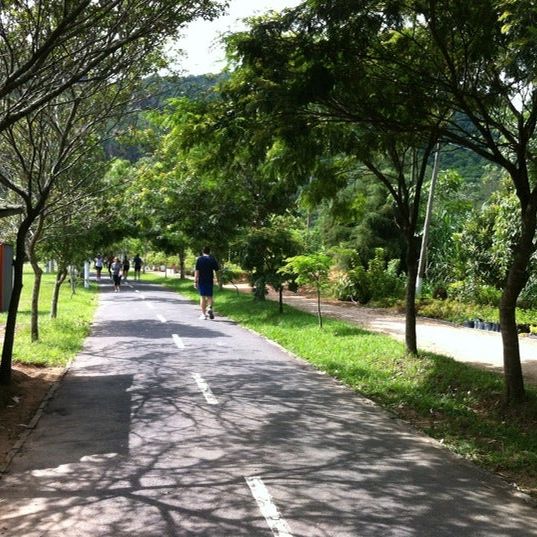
(217, 433)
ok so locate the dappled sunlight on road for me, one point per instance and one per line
(129, 446)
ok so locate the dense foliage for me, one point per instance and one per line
(318, 140)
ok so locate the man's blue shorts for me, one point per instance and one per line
(205, 289)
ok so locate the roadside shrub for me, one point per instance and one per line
(230, 273)
(439, 292)
(455, 310)
(354, 285)
(471, 293)
(155, 259)
(233, 271)
(380, 281)
(528, 296)
(488, 295)
(462, 291)
(345, 258)
(458, 312)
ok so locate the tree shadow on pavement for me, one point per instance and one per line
(152, 457)
(153, 329)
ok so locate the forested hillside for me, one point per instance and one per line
(153, 95)
(157, 91)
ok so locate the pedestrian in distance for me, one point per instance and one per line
(99, 262)
(206, 265)
(126, 267)
(137, 260)
(116, 269)
(109, 262)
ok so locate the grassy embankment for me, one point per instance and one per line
(61, 338)
(450, 401)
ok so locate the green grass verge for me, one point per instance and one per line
(61, 338)
(451, 401)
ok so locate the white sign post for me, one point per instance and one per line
(86, 274)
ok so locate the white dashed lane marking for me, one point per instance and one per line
(161, 318)
(178, 341)
(276, 523)
(205, 390)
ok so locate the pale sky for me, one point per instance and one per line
(203, 53)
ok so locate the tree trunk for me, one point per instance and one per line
(411, 341)
(260, 289)
(512, 368)
(182, 271)
(319, 315)
(60, 278)
(11, 322)
(38, 272)
(517, 278)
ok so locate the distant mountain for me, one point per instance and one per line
(480, 176)
(154, 95)
(162, 89)
(469, 164)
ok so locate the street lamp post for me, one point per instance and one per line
(427, 223)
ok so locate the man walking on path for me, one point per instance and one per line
(206, 265)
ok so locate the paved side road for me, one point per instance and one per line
(167, 425)
(476, 347)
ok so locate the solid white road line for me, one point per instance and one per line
(205, 390)
(276, 523)
(178, 341)
(161, 318)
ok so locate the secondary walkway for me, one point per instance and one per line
(476, 347)
(167, 425)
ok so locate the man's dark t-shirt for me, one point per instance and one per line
(206, 264)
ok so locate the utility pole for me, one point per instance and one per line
(427, 223)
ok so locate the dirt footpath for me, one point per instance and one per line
(476, 347)
(19, 402)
